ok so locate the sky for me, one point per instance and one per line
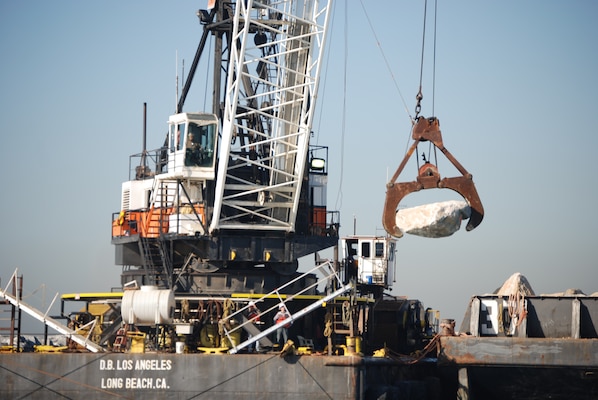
(512, 83)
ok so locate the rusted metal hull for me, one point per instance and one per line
(525, 348)
(178, 376)
(210, 376)
(530, 383)
(521, 368)
(519, 352)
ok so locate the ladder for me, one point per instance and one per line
(15, 314)
(153, 248)
(111, 330)
(152, 262)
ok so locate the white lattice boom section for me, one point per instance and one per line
(269, 104)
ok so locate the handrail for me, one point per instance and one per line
(329, 273)
(51, 322)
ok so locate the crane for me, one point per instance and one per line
(236, 195)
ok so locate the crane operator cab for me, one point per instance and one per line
(172, 199)
(192, 145)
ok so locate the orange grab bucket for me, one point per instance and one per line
(427, 129)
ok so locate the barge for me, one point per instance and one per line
(213, 223)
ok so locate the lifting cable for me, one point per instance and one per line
(419, 97)
(386, 60)
(344, 109)
(339, 199)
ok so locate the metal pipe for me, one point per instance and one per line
(144, 127)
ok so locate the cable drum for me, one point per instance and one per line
(148, 306)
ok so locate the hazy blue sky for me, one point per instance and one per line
(515, 93)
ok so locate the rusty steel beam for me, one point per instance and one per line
(511, 351)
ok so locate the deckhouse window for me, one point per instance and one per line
(365, 249)
(379, 250)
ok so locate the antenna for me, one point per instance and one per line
(176, 72)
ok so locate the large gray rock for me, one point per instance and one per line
(516, 284)
(433, 220)
(569, 292)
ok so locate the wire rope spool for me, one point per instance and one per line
(148, 306)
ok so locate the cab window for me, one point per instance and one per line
(180, 134)
(199, 146)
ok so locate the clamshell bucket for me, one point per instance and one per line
(428, 177)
